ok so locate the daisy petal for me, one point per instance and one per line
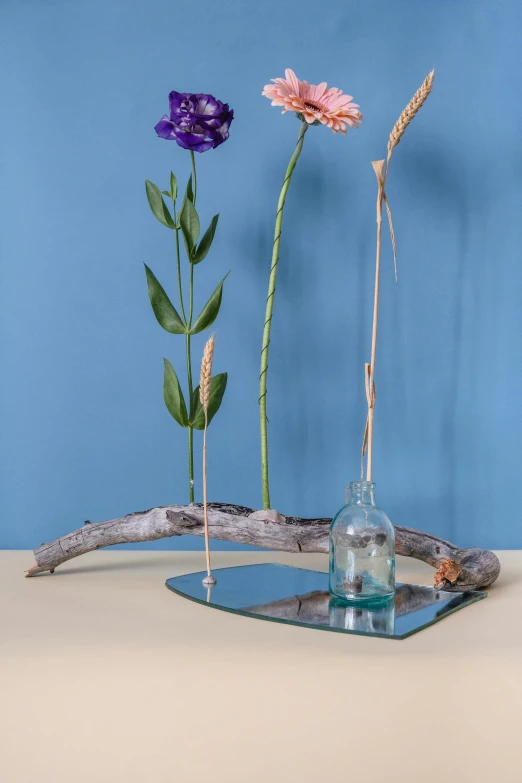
(292, 80)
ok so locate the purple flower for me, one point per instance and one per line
(197, 122)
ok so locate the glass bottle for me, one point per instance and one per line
(362, 548)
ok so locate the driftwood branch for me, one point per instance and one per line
(457, 569)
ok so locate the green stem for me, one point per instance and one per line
(190, 429)
(268, 316)
(194, 178)
(190, 385)
(188, 348)
(189, 369)
(191, 294)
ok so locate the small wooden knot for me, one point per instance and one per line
(448, 572)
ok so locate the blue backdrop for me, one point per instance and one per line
(84, 431)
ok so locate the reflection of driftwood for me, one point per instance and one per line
(459, 569)
(314, 608)
(307, 608)
(411, 598)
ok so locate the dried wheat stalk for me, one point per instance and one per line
(381, 168)
(204, 396)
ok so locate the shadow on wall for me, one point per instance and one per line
(321, 330)
(437, 180)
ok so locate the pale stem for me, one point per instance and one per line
(378, 168)
(205, 508)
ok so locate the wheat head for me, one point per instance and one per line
(206, 373)
(410, 111)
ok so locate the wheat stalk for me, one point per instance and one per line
(381, 168)
(204, 396)
(409, 112)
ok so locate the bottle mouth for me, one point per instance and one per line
(362, 486)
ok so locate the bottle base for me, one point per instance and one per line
(361, 599)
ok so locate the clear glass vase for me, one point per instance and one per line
(362, 549)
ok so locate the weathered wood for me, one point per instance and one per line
(458, 569)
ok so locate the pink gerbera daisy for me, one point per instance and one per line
(314, 103)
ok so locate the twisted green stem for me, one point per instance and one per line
(268, 316)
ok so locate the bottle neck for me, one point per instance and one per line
(362, 493)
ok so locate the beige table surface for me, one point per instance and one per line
(105, 675)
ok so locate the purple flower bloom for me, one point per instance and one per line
(197, 122)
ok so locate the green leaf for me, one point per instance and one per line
(165, 313)
(173, 186)
(173, 395)
(167, 193)
(158, 206)
(189, 193)
(209, 313)
(206, 241)
(218, 384)
(189, 223)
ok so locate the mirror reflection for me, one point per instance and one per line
(300, 597)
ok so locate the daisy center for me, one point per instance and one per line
(312, 106)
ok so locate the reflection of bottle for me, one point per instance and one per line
(362, 548)
(377, 618)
